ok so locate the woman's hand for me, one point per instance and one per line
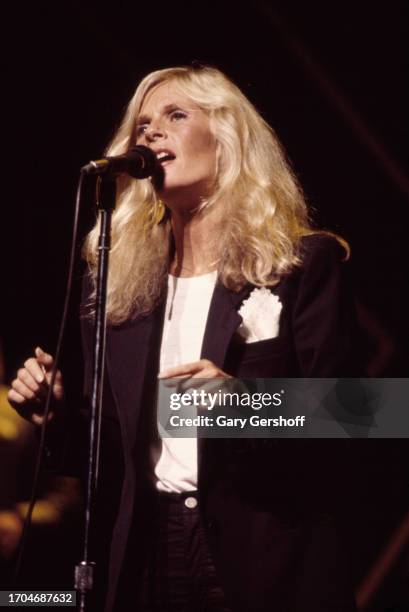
(29, 389)
(201, 376)
(198, 369)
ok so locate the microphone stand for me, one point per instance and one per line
(85, 570)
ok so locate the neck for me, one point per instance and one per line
(197, 238)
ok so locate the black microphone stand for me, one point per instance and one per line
(85, 570)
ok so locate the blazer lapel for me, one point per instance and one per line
(222, 322)
(131, 350)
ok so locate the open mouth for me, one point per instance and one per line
(164, 156)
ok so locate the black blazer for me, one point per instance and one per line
(266, 504)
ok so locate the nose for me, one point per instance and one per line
(154, 132)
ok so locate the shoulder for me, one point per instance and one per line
(322, 260)
(320, 246)
(322, 308)
(322, 280)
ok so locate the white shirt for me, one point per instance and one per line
(187, 308)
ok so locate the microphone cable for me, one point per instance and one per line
(68, 291)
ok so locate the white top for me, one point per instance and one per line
(187, 307)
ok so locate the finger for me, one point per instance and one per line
(35, 369)
(185, 369)
(58, 388)
(18, 401)
(44, 358)
(209, 385)
(38, 419)
(57, 380)
(174, 382)
(209, 380)
(25, 377)
(209, 372)
(14, 397)
(23, 390)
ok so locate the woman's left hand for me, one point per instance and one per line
(198, 369)
(201, 376)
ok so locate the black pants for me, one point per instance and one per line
(180, 575)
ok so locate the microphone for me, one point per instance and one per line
(139, 162)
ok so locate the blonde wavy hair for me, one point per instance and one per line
(265, 210)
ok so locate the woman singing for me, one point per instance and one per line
(215, 271)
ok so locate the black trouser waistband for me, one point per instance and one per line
(164, 496)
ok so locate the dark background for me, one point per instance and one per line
(331, 78)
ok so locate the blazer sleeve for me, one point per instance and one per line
(323, 317)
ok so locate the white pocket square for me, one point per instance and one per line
(261, 314)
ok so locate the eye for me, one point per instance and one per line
(141, 129)
(177, 115)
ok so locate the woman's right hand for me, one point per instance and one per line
(29, 389)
